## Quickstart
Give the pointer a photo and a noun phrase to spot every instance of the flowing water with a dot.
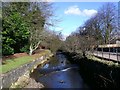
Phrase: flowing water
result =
(59, 73)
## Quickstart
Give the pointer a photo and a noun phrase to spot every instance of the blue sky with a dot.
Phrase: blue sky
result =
(74, 14)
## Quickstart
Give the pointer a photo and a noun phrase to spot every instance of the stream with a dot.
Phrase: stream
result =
(59, 73)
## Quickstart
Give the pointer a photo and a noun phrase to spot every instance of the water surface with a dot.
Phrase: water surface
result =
(59, 73)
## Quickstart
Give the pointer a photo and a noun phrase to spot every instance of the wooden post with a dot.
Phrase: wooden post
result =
(109, 53)
(97, 51)
(117, 53)
(102, 53)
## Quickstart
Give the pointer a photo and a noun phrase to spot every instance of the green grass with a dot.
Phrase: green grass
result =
(11, 64)
(14, 63)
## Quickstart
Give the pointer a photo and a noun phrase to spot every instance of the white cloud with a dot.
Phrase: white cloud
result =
(90, 12)
(75, 10)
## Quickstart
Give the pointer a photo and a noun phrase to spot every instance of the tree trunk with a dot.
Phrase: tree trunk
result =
(32, 48)
(31, 51)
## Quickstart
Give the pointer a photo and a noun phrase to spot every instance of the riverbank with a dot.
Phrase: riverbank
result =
(12, 76)
(26, 82)
(14, 61)
(96, 74)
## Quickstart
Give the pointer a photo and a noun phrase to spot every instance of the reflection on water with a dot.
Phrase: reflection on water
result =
(56, 61)
(46, 66)
(59, 73)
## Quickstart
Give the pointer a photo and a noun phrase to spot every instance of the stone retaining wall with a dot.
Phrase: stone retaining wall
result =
(12, 76)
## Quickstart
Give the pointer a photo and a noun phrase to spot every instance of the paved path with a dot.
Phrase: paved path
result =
(112, 56)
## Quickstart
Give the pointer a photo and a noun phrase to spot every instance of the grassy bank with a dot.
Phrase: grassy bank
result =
(11, 64)
(97, 73)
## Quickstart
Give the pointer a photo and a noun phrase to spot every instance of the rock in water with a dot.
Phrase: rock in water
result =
(62, 81)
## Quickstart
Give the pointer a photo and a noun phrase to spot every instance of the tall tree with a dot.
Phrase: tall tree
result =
(96, 30)
(23, 22)
(15, 30)
(108, 20)
(38, 18)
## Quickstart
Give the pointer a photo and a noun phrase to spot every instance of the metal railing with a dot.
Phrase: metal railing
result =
(115, 56)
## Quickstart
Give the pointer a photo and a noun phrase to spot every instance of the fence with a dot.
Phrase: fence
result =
(109, 52)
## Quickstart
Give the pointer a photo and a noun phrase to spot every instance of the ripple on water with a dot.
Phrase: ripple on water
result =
(59, 73)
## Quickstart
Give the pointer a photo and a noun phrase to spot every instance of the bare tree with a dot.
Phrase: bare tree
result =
(108, 20)
(95, 31)
(40, 12)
